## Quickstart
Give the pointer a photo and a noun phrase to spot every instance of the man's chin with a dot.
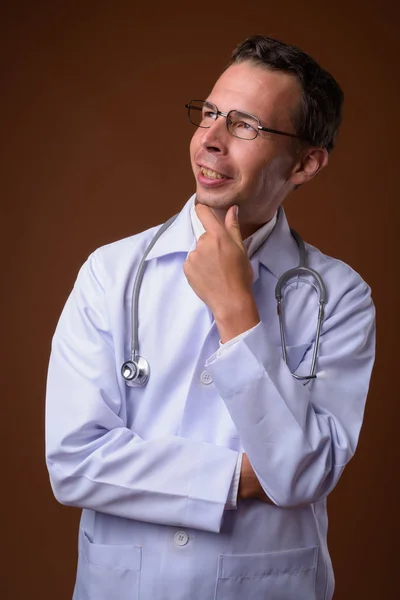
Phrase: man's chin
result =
(213, 201)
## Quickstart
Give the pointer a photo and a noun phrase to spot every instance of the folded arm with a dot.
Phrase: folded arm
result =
(299, 438)
(94, 460)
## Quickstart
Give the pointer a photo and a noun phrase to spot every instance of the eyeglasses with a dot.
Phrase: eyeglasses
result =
(240, 124)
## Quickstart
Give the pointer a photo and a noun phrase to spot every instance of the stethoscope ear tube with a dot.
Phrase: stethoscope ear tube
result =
(296, 272)
(302, 269)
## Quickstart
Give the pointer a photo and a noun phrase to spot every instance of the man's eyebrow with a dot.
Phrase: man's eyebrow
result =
(240, 111)
(245, 112)
(250, 114)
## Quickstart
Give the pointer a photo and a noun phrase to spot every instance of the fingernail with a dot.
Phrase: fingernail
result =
(236, 210)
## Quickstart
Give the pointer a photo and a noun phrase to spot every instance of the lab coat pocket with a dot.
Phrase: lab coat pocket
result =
(107, 572)
(288, 575)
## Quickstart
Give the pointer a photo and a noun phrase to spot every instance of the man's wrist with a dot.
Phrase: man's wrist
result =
(236, 318)
(249, 485)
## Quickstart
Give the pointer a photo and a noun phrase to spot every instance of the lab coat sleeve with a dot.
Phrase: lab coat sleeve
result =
(231, 503)
(94, 460)
(299, 438)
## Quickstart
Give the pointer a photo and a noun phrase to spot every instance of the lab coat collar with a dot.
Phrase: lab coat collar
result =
(179, 237)
(278, 254)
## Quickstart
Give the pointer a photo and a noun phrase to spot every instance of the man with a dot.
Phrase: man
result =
(210, 481)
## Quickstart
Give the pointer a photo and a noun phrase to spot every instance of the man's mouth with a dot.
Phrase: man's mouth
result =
(211, 174)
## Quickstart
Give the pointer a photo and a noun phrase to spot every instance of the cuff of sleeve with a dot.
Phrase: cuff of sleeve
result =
(249, 359)
(235, 340)
(231, 503)
(209, 493)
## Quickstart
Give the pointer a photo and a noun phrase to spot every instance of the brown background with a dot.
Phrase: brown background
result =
(94, 148)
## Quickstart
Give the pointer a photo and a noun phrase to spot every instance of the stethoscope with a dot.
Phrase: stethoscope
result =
(136, 371)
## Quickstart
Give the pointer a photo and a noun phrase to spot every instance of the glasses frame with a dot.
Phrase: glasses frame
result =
(220, 113)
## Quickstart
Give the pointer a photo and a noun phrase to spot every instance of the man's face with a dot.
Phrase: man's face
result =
(256, 173)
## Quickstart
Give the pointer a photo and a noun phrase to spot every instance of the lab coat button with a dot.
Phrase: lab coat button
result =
(205, 378)
(181, 538)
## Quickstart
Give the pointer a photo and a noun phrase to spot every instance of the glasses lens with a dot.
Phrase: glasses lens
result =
(242, 125)
(201, 113)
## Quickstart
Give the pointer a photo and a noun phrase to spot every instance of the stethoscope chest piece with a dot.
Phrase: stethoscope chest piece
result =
(136, 372)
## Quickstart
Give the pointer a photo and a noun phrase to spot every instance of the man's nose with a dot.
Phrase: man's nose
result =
(216, 138)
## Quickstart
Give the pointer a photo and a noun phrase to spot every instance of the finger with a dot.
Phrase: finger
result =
(208, 219)
(232, 224)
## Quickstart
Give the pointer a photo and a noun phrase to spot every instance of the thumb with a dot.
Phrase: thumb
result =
(232, 224)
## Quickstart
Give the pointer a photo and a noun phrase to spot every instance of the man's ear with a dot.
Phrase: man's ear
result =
(311, 162)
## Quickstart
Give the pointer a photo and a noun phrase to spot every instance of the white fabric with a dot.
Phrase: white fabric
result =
(147, 464)
(231, 502)
(252, 243)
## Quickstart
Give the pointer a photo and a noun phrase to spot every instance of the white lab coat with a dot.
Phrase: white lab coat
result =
(152, 466)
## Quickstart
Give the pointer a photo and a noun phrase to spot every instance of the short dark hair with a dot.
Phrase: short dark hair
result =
(320, 111)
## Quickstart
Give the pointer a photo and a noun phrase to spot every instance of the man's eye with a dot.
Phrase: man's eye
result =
(244, 125)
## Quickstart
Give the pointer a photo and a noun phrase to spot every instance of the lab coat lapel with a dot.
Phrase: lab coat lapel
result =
(178, 237)
(280, 252)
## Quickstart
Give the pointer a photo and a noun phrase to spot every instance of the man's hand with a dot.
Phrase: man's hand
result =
(220, 273)
(249, 486)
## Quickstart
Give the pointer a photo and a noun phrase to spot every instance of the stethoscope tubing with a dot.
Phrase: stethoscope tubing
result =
(136, 371)
(137, 285)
